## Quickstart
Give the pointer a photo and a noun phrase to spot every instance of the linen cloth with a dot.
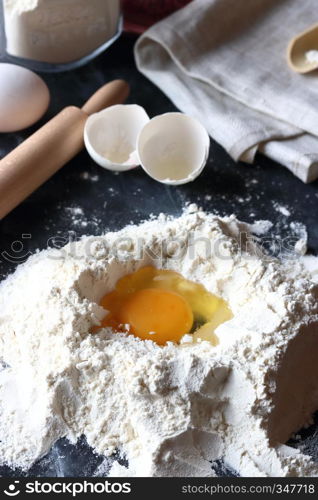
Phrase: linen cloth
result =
(224, 62)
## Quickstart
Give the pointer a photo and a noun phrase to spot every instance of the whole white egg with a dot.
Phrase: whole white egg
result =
(24, 97)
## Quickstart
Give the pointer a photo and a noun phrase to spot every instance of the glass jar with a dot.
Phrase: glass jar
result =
(58, 35)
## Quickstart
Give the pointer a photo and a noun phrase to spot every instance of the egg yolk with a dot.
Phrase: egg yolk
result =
(160, 305)
(162, 314)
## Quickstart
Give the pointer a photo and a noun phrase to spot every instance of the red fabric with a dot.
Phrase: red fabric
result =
(140, 14)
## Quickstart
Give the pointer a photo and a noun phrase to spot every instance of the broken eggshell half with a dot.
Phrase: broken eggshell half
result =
(110, 136)
(173, 148)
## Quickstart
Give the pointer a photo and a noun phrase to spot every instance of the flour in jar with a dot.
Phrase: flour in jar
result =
(59, 32)
(171, 410)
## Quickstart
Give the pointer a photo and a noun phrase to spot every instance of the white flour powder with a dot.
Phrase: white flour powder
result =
(59, 31)
(170, 410)
(312, 56)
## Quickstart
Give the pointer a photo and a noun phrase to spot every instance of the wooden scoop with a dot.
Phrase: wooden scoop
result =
(33, 162)
(299, 46)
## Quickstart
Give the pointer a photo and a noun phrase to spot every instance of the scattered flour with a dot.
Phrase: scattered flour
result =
(75, 211)
(282, 209)
(87, 176)
(300, 231)
(77, 218)
(173, 410)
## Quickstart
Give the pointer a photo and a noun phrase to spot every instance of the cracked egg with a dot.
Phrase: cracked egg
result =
(163, 306)
(171, 148)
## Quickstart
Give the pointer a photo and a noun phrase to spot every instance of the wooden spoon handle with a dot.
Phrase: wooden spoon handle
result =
(35, 160)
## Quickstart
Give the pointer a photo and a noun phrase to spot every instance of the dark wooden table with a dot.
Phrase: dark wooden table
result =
(83, 199)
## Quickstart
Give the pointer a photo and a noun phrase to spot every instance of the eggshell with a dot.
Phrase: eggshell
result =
(24, 97)
(111, 136)
(173, 148)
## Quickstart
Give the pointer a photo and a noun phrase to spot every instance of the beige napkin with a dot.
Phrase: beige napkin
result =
(224, 62)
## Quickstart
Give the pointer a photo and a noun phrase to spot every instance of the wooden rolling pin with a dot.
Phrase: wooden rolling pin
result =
(33, 162)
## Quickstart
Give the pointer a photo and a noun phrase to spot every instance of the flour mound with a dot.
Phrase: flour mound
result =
(170, 410)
